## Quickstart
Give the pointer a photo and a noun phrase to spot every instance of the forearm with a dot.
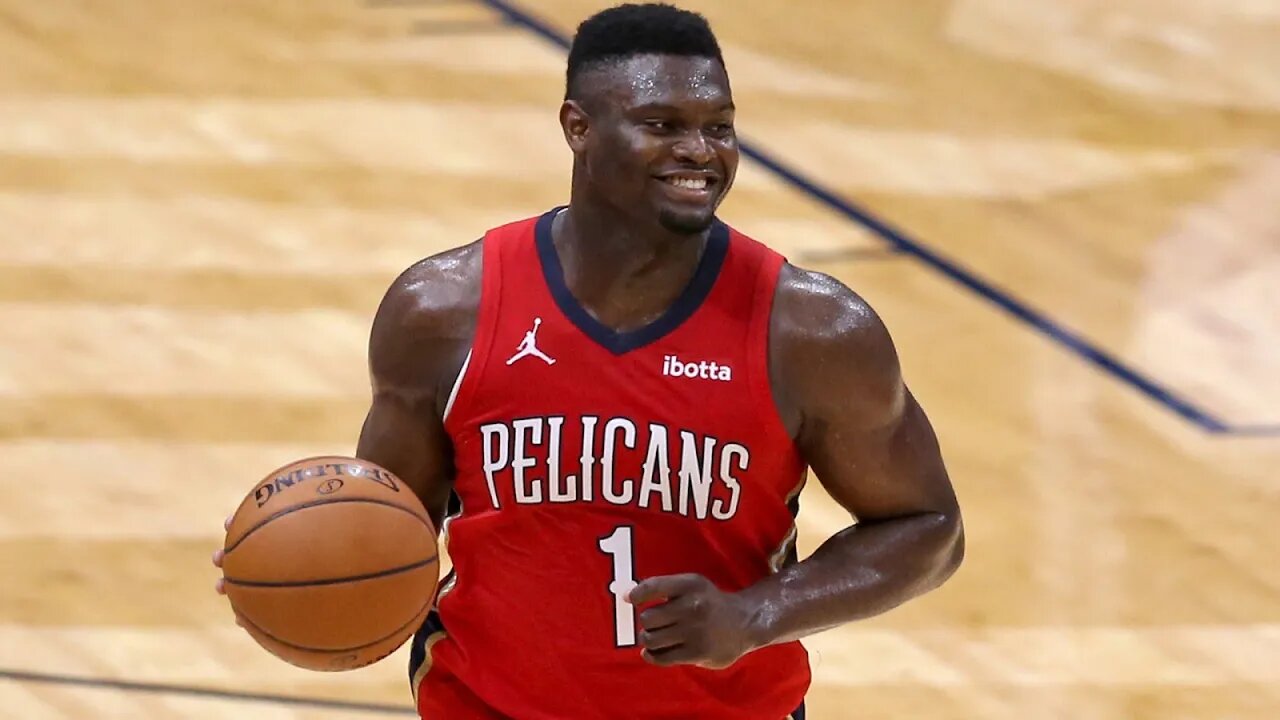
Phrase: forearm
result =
(862, 571)
(397, 438)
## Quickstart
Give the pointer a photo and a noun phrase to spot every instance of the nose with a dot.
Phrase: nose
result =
(693, 148)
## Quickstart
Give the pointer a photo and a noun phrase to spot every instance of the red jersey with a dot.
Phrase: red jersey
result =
(588, 460)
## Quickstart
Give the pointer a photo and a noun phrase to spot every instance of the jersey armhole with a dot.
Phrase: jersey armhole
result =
(457, 383)
(464, 386)
(765, 291)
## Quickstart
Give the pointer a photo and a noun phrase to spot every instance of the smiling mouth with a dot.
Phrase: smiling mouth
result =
(688, 183)
(691, 186)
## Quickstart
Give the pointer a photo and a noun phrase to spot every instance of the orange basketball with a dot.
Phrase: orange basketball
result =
(331, 563)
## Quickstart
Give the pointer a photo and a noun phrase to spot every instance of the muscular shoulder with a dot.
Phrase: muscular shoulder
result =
(426, 321)
(830, 353)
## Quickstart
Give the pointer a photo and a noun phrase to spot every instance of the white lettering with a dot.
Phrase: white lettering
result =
(657, 470)
(695, 474)
(494, 462)
(710, 472)
(611, 428)
(588, 458)
(559, 490)
(673, 366)
(532, 428)
(719, 509)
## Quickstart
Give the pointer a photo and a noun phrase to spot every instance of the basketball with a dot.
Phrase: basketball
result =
(331, 563)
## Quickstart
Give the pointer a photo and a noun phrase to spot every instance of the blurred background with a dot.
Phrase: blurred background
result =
(1067, 211)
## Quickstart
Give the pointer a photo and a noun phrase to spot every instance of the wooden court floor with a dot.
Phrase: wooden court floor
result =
(200, 205)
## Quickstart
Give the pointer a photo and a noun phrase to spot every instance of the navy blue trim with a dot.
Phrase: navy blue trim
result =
(619, 342)
(799, 713)
(518, 17)
(1069, 339)
(430, 626)
(209, 693)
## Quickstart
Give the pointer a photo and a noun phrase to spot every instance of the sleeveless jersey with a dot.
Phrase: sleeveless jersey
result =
(588, 460)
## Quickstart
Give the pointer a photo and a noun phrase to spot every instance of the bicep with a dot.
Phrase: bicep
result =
(862, 432)
(879, 470)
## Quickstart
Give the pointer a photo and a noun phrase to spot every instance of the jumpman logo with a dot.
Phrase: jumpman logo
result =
(529, 346)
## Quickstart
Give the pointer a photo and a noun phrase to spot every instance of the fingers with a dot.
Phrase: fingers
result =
(666, 628)
(663, 639)
(666, 587)
(665, 615)
(219, 585)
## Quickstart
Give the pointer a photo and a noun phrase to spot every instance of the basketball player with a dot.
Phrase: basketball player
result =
(622, 397)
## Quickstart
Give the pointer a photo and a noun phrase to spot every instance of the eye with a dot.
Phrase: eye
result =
(721, 129)
(659, 126)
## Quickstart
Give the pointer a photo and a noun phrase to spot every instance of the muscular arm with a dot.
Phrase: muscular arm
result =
(420, 338)
(839, 390)
(839, 386)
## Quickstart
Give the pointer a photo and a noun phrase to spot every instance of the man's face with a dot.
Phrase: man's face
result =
(655, 137)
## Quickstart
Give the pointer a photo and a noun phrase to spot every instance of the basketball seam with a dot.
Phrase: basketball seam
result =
(385, 638)
(331, 581)
(315, 503)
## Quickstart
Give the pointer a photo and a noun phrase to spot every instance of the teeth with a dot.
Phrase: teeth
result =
(689, 183)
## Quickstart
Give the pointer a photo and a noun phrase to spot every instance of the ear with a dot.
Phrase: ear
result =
(575, 123)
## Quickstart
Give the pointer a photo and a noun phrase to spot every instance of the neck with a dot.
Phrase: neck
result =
(623, 274)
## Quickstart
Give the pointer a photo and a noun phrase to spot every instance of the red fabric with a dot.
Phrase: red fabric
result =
(532, 621)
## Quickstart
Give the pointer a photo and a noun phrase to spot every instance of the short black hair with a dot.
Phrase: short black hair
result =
(625, 31)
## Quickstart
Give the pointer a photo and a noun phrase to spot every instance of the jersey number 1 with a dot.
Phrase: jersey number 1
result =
(618, 546)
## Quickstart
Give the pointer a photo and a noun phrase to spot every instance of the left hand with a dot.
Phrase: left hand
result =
(698, 624)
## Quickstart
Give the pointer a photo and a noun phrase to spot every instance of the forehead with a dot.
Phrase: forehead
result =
(665, 79)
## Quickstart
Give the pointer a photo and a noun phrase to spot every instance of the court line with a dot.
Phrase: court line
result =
(190, 691)
(1063, 336)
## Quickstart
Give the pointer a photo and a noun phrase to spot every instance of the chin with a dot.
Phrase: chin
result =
(687, 223)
